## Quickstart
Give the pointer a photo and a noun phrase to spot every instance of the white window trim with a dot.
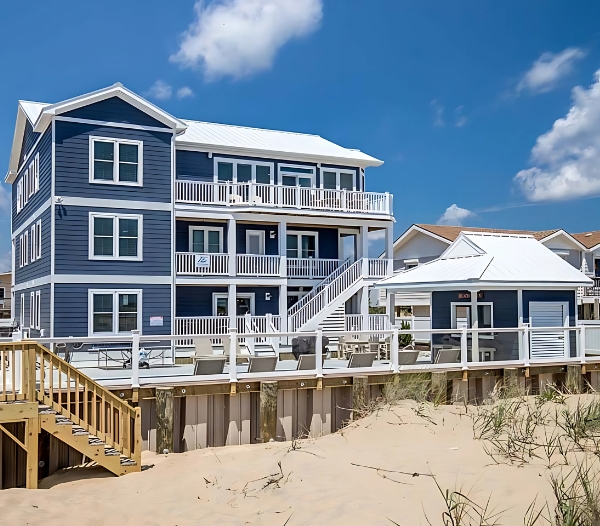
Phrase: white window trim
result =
(38, 310)
(26, 248)
(261, 235)
(34, 243)
(115, 218)
(22, 313)
(21, 254)
(39, 239)
(453, 306)
(337, 172)
(281, 172)
(235, 163)
(115, 293)
(32, 310)
(115, 179)
(299, 233)
(224, 295)
(205, 229)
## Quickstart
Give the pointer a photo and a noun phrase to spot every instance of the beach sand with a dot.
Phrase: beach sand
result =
(318, 483)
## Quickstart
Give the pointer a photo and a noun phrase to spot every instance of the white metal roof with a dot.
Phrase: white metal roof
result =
(481, 260)
(270, 142)
(32, 109)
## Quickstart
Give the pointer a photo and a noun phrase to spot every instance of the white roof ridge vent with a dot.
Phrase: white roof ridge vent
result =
(496, 234)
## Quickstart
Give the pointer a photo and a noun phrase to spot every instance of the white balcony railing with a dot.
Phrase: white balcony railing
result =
(265, 195)
(198, 325)
(379, 268)
(254, 265)
(311, 268)
(192, 264)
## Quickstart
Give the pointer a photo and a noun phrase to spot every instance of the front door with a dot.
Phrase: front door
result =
(550, 343)
(255, 242)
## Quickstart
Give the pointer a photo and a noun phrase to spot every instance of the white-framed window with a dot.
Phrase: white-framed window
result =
(302, 245)
(34, 244)
(29, 183)
(338, 179)
(19, 195)
(241, 171)
(26, 248)
(206, 239)
(34, 310)
(39, 239)
(115, 236)
(255, 242)
(291, 175)
(114, 311)
(38, 310)
(21, 253)
(116, 161)
(22, 312)
(460, 315)
(244, 304)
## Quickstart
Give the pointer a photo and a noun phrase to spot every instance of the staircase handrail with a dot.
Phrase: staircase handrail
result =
(319, 287)
(329, 293)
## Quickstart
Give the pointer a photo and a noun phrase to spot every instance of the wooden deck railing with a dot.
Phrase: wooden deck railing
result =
(29, 371)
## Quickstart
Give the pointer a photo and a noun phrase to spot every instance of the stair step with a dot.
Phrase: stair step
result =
(79, 431)
(111, 452)
(127, 462)
(45, 410)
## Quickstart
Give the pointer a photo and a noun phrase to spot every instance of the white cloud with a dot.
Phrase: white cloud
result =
(438, 113)
(459, 118)
(454, 215)
(184, 92)
(5, 200)
(160, 90)
(240, 37)
(567, 158)
(547, 70)
(376, 235)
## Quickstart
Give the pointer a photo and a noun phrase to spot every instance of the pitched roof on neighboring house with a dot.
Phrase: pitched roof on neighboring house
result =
(588, 239)
(452, 232)
(490, 260)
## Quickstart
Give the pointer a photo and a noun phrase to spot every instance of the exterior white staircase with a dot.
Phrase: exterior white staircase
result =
(333, 292)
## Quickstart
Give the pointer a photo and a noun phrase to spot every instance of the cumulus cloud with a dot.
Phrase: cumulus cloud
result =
(454, 215)
(376, 235)
(160, 90)
(548, 69)
(438, 113)
(5, 200)
(459, 117)
(184, 92)
(567, 158)
(238, 38)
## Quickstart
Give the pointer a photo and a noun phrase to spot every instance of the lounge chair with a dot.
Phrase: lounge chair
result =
(361, 359)
(203, 347)
(407, 357)
(308, 362)
(262, 364)
(209, 365)
(447, 356)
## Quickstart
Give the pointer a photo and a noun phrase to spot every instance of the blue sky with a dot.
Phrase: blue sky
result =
(453, 96)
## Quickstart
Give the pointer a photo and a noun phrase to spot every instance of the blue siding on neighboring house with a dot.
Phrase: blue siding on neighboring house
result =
(71, 302)
(327, 239)
(198, 300)
(182, 233)
(72, 165)
(42, 266)
(44, 309)
(72, 244)
(114, 109)
(271, 244)
(29, 139)
(197, 166)
(44, 148)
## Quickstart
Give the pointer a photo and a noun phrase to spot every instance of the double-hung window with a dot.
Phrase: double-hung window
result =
(35, 310)
(302, 245)
(29, 183)
(206, 240)
(238, 171)
(36, 241)
(114, 311)
(333, 179)
(115, 236)
(303, 176)
(116, 161)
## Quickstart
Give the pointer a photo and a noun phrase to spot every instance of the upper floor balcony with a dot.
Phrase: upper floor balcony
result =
(251, 194)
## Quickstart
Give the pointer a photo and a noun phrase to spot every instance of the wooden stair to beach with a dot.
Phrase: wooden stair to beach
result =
(43, 391)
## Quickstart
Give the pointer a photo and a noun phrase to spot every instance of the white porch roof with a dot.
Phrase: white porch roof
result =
(477, 260)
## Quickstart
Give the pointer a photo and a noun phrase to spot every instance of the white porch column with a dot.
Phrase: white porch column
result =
(283, 249)
(520, 321)
(363, 247)
(231, 246)
(390, 307)
(389, 249)
(232, 306)
(364, 307)
(283, 307)
(474, 325)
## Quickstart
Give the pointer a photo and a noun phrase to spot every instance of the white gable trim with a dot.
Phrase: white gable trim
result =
(472, 250)
(416, 228)
(567, 235)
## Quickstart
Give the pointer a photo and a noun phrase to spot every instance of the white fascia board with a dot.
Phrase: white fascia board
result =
(13, 164)
(274, 154)
(417, 228)
(116, 90)
(567, 235)
(480, 285)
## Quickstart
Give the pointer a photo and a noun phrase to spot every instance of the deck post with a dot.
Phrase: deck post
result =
(360, 391)
(31, 441)
(394, 350)
(582, 343)
(464, 357)
(439, 387)
(164, 420)
(268, 411)
(574, 379)
(319, 352)
(135, 359)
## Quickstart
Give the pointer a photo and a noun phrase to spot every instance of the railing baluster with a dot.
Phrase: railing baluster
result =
(14, 374)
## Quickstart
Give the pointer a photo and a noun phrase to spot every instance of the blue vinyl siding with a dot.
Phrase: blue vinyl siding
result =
(328, 240)
(44, 148)
(72, 244)
(182, 233)
(198, 300)
(42, 266)
(197, 166)
(355, 170)
(29, 139)
(71, 307)
(114, 109)
(72, 165)
(44, 309)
